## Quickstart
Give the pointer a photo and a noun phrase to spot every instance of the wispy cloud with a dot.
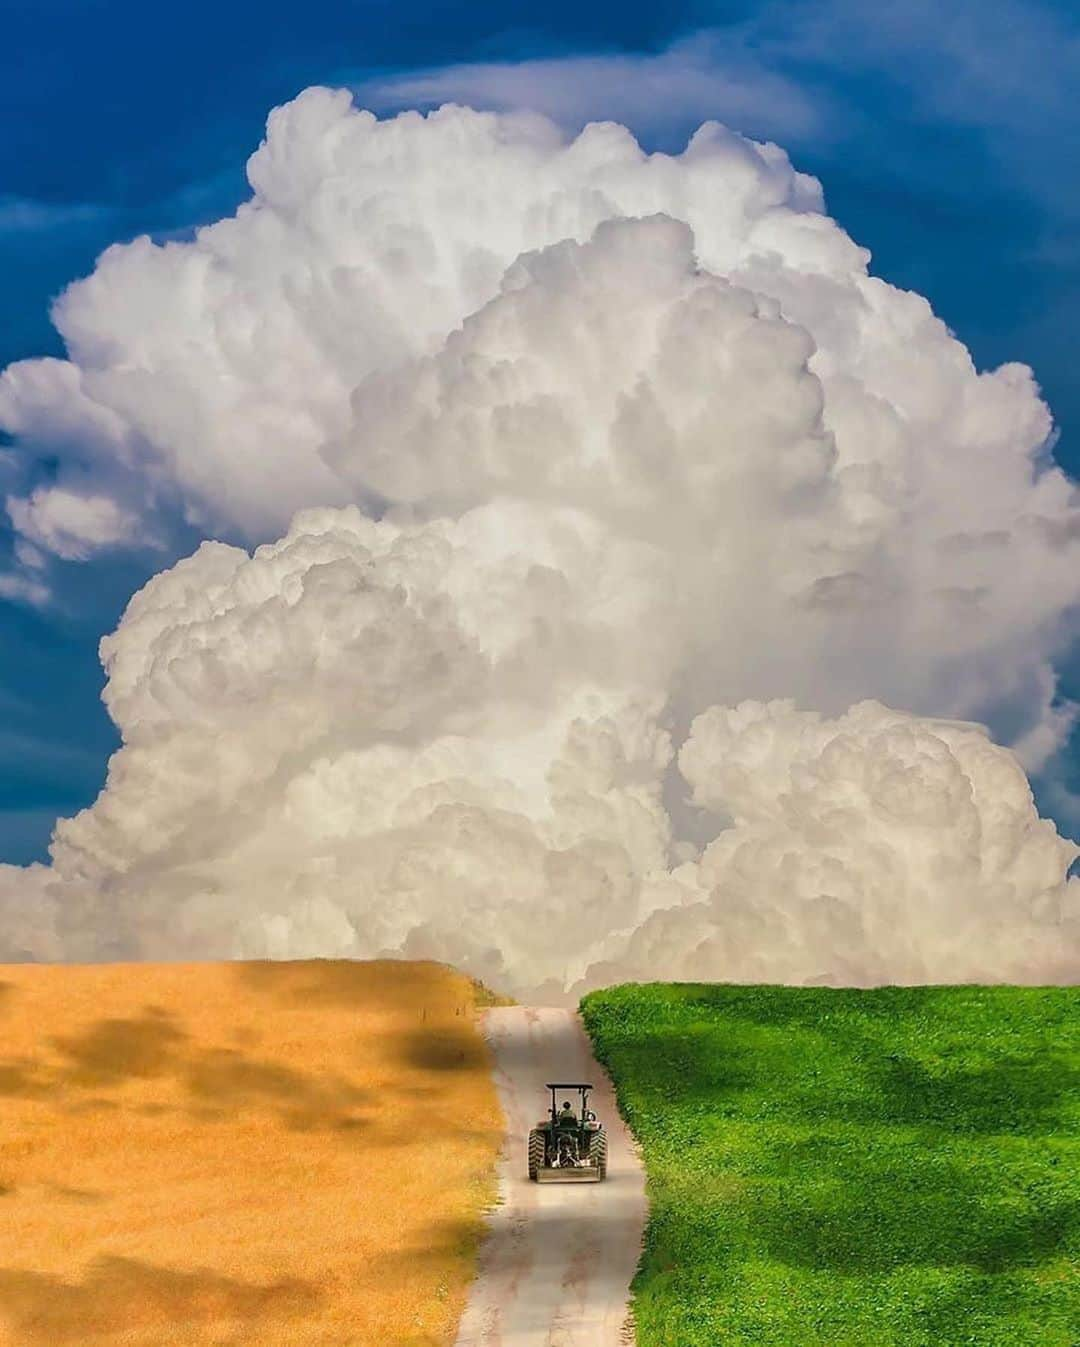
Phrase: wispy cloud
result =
(21, 215)
(21, 588)
(1009, 70)
(712, 75)
(174, 216)
(1011, 63)
(811, 75)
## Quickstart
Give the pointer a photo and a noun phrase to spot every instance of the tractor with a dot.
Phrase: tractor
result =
(568, 1146)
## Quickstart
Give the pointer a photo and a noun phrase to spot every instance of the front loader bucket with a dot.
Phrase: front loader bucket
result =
(571, 1174)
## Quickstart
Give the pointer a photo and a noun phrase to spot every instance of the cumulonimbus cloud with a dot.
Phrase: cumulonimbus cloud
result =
(629, 503)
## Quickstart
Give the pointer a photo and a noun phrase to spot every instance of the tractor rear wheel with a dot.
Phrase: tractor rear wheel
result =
(598, 1152)
(537, 1148)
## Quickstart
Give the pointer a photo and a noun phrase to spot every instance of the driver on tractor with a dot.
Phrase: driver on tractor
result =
(567, 1117)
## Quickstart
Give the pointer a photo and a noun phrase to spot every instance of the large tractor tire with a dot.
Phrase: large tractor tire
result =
(598, 1152)
(536, 1153)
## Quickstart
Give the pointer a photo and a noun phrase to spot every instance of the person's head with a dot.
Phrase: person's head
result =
(566, 1104)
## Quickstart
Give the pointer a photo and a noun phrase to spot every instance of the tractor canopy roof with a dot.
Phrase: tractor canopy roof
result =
(567, 1085)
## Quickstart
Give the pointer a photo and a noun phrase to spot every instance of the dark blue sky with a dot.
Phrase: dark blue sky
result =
(948, 143)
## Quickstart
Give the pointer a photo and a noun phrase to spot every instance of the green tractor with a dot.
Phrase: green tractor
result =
(568, 1146)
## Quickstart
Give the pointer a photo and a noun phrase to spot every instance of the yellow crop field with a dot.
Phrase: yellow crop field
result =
(253, 1153)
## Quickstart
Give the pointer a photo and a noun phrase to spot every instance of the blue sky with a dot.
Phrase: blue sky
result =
(947, 141)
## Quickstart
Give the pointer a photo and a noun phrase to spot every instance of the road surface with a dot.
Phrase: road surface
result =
(556, 1266)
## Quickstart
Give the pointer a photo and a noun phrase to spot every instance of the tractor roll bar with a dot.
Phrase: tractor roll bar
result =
(581, 1086)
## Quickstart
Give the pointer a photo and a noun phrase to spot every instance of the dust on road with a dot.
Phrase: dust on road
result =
(556, 1267)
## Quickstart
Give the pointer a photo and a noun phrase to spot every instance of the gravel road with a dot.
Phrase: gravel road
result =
(556, 1266)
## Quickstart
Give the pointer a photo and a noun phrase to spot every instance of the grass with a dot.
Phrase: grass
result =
(221, 1154)
(837, 1168)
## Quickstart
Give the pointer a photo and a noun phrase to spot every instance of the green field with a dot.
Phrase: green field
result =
(830, 1168)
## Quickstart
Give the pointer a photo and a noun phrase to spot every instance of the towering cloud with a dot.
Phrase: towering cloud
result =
(628, 499)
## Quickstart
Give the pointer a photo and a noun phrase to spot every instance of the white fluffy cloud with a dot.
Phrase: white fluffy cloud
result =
(884, 847)
(217, 370)
(605, 462)
(69, 525)
(451, 740)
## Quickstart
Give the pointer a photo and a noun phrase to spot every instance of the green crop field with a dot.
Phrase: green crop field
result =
(887, 1168)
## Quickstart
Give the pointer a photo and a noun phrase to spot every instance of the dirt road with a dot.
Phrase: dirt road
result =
(556, 1267)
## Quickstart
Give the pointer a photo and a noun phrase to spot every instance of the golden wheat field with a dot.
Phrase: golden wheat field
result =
(253, 1153)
